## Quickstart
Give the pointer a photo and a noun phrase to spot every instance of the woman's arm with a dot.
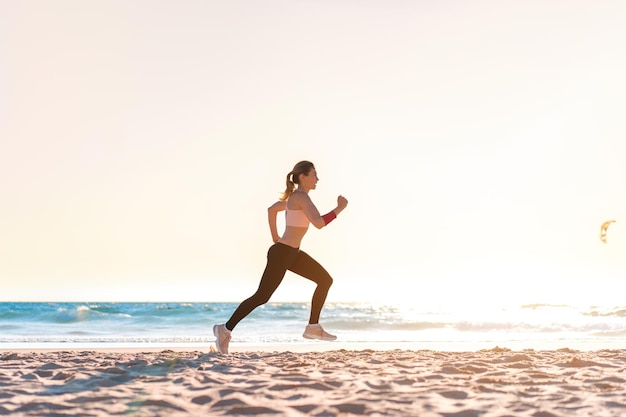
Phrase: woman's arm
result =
(272, 212)
(313, 214)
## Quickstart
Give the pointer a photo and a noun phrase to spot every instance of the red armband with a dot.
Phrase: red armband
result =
(329, 217)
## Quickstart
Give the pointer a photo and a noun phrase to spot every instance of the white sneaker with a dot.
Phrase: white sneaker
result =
(223, 337)
(315, 331)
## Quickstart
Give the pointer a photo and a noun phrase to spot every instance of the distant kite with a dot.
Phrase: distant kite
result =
(603, 230)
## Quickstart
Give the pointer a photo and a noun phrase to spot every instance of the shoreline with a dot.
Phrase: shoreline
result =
(319, 346)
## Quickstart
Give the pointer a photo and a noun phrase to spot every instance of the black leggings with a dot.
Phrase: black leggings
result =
(280, 258)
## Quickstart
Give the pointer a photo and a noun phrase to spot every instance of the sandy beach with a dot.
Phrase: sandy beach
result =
(494, 382)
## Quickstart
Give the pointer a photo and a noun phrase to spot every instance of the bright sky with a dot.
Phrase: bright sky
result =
(481, 144)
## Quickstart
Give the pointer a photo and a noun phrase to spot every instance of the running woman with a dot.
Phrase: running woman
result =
(285, 254)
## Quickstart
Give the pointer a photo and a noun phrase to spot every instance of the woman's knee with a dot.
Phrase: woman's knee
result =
(259, 299)
(327, 281)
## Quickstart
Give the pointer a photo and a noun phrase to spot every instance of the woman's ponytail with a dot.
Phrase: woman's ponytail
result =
(291, 186)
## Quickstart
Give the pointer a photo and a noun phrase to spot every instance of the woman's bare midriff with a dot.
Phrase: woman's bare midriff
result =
(293, 236)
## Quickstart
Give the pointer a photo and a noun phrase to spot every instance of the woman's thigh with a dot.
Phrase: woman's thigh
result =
(307, 267)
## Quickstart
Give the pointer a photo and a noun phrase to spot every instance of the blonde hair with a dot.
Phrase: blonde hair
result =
(302, 167)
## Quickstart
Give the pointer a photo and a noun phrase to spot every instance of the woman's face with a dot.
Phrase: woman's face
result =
(309, 181)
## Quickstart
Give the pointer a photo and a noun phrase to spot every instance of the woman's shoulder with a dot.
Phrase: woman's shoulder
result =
(298, 200)
(280, 205)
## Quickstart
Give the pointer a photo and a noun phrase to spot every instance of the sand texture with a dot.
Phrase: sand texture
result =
(495, 382)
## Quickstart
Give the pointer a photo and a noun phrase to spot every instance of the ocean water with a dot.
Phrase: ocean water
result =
(153, 324)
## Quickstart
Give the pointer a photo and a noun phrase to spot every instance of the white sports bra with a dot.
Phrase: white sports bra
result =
(296, 218)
